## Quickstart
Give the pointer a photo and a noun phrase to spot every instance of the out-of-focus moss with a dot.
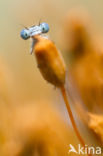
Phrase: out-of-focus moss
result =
(85, 59)
(96, 124)
(38, 130)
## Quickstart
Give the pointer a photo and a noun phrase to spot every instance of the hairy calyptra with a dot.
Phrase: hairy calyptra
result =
(50, 61)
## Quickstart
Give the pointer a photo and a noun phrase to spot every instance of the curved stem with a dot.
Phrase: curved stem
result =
(63, 91)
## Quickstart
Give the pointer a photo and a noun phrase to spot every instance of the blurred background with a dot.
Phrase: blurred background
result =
(33, 117)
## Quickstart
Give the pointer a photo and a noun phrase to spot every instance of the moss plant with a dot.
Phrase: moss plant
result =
(53, 70)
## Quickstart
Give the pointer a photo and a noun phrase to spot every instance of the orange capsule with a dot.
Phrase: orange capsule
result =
(50, 61)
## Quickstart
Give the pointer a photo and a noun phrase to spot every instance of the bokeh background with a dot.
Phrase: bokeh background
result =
(15, 51)
(25, 95)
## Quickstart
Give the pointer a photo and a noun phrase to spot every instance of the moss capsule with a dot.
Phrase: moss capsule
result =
(50, 61)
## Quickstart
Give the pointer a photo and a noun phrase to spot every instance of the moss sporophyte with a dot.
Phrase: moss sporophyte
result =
(51, 64)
